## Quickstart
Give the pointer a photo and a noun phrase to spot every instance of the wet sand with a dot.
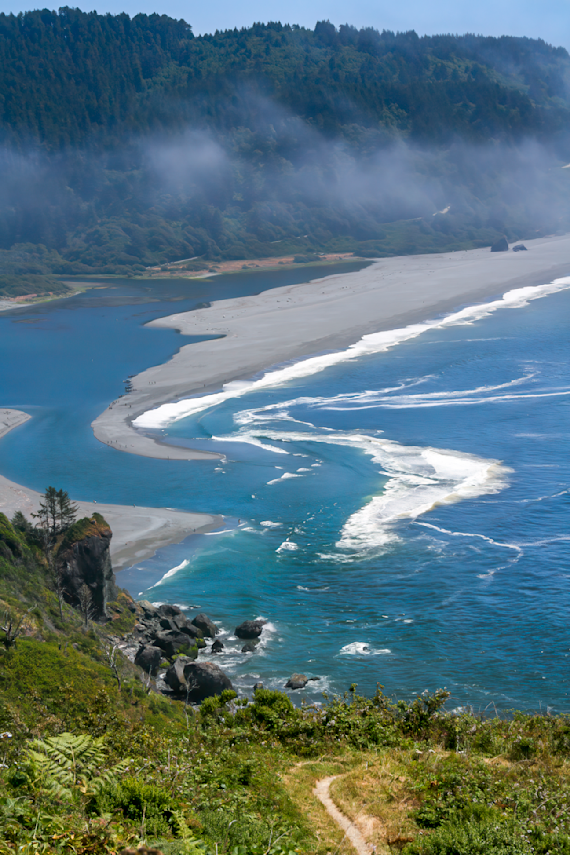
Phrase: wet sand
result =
(137, 532)
(260, 332)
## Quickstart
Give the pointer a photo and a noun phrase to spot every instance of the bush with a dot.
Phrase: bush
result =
(490, 836)
(139, 802)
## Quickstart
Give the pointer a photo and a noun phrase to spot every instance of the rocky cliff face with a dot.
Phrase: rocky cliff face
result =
(84, 559)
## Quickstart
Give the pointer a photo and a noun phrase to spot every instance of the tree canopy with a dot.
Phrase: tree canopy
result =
(128, 142)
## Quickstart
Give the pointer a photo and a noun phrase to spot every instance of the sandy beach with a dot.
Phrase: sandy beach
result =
(323, 315)
(137, 532)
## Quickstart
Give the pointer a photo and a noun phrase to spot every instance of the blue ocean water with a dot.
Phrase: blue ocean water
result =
(399, 518)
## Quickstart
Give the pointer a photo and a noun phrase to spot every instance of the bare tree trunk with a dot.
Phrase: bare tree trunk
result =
(85, 604)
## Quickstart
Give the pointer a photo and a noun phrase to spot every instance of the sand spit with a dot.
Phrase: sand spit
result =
(323, 315)
(137, 532)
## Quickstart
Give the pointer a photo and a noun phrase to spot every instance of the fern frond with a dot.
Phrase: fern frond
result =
(192, 846)
(68, 760)
(109, 777)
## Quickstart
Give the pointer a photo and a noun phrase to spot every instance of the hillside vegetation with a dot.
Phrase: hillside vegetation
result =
(128, 143)
(95, 759)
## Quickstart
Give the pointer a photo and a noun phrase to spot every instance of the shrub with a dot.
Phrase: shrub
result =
(489, 836)
(138, 802)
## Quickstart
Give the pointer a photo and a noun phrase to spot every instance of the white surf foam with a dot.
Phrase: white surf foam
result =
(285, 477)
(419, 479)
(164, 415)
(361, 648)
(172, 572)
(287, 546)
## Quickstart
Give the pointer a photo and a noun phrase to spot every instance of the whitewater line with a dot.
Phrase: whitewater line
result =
(162, 416)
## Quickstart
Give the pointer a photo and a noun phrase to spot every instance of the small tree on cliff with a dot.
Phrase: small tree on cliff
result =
(56, 515)
(57, 512)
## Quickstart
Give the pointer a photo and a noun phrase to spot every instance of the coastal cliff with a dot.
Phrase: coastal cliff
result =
(84, 559)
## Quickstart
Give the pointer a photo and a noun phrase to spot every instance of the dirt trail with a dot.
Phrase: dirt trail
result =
(350, 830)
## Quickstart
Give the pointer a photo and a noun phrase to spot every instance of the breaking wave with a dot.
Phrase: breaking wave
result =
(164, 415)
(172, 572)
(361, 648)
(418, 479)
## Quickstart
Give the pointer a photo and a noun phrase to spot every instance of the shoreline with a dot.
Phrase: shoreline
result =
(138, 532)
(218, 268)
(258, 333)
(10, 304)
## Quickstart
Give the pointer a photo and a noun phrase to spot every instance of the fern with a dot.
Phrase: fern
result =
(191, 844)
(67, 764)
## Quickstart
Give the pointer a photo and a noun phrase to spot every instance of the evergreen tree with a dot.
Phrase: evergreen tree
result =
(56, 515)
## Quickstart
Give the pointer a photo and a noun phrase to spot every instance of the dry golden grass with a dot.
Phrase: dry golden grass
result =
(300, 782)
(376, 798)
(371, 790)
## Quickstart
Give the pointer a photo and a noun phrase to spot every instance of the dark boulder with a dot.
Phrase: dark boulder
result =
(250, 629)
(296, 681)
(207, 627)
(500, 245)
(519, 248)
(172, 643)
(197, 680)
(205, 679)
(257, 686)
(250, 646)
(149, 658)
(147, 610)
(217, 646)
(174, 677)
(190, 630)
(169, 611)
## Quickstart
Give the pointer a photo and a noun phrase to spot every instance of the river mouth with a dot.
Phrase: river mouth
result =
(465, 594)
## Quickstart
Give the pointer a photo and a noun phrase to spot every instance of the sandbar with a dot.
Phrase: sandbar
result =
(326, 314)
(137, 532)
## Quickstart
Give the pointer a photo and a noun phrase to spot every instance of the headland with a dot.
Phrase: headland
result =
(137, 532)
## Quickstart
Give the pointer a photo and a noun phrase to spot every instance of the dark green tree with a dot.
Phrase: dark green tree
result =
(56, 515)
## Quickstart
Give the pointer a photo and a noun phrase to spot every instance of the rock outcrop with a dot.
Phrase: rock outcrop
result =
(500, 245)
(168, 628)
(196, 680)
(173, 643)
(299, 681)
(205, 625)
(250, 646)
(250, 629)
(83, 558)
(149, 658)
(296, 681)
(520, 247)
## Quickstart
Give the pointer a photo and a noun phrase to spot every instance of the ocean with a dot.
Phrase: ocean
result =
(398, 513)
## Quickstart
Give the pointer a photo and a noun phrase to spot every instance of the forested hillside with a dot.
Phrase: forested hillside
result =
(130, 142)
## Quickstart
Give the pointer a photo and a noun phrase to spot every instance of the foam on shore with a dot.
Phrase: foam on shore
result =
(161, 417)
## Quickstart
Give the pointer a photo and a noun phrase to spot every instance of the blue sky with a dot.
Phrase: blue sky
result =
(547, 19)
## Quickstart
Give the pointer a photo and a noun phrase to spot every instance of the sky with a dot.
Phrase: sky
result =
(547, 19)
